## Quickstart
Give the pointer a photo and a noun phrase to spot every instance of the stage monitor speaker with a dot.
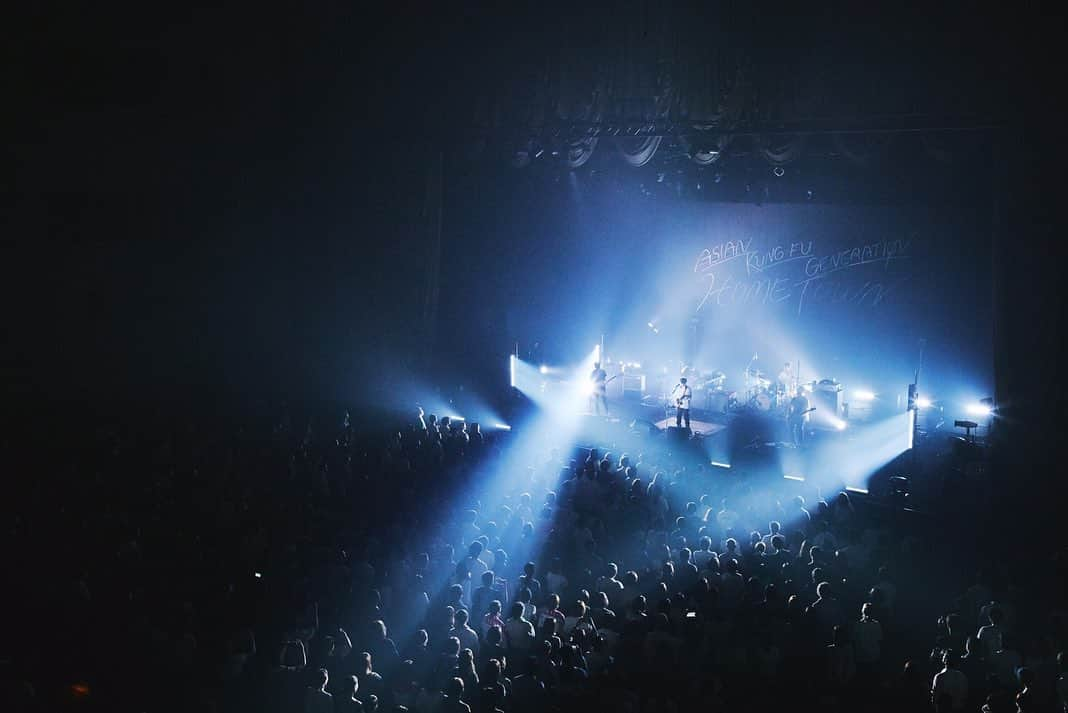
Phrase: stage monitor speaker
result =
(677, 433)
(827, 403)
(633, 387)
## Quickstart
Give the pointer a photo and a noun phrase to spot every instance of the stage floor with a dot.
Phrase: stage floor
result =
(700, 428)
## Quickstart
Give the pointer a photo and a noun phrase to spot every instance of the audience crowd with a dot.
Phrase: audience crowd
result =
(274, 568)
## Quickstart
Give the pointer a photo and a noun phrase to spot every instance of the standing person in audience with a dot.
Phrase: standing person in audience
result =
(346, 701)
(950, 682)
(867, 644)
(527, 580)
(452, 700)
(467, 636)
(370, 680)
(465, 670)
(518, 633)
(493, 647)
(990, 634)
(492, 618)
(825, 613)
(316, 699)
(486, 592)
(841, 659)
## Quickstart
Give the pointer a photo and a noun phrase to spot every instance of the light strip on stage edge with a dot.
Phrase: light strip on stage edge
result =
(798, 478)
(719, 465)
(912, 428)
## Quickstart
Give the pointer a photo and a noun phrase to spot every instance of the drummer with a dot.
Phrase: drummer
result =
(786, 379)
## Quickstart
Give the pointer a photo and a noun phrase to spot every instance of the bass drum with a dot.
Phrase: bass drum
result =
(762, 402)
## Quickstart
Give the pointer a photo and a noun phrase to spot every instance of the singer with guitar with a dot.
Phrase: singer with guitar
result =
(683, 395)
(797, 416)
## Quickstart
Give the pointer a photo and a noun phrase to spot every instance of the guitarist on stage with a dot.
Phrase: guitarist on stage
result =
(682, 394)
(798, 417)
(599, 377)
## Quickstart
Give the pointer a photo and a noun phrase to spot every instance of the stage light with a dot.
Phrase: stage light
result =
(839, 424)
(543, 369)
(924, 403)
(502, 426)
(978, 409)
(797, 478)
(863, 395)
(858, 491)
(511, 370)
(720, 465)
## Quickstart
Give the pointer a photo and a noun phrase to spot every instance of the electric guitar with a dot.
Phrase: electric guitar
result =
(601, 386)
(799, 416)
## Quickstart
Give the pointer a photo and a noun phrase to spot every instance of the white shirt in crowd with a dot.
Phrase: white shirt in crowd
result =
(953, 683)
(519, 633)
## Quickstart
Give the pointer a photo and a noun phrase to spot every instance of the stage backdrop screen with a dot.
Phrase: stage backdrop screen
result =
(865, 294)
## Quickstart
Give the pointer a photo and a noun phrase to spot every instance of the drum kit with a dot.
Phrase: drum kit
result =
(761, 393)
(710, 389)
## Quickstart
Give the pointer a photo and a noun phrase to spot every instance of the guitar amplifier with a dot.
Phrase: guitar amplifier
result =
(633, 386)
(828, 403)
